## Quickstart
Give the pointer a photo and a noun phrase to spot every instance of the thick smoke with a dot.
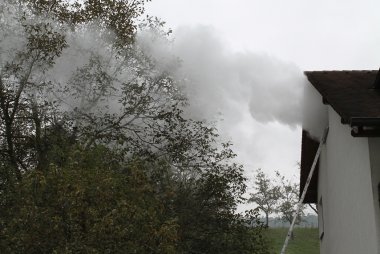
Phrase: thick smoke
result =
(86, 47)
(254, 94)
(257, 96)
(219, 80)
(236, 86)
(315, 115)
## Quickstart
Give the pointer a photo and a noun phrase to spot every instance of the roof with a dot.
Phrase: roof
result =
(352, 94)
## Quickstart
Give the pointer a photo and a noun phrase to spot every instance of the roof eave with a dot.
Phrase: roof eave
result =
(365, 126)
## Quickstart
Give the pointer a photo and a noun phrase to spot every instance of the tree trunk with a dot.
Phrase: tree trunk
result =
(10, 145)
(38, 139)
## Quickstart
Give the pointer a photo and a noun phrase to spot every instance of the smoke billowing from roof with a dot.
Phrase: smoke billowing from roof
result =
(255, 95)
(219, 80)
(315, 115)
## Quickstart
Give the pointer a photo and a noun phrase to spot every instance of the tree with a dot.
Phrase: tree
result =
(38, 39)
(93, 206)
(88, 206)
(289, 200)
(266, 195)
(80, 103)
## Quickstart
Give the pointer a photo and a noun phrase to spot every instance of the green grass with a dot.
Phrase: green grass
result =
(305, 241)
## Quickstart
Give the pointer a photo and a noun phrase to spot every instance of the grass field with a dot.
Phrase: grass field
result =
(305, 241)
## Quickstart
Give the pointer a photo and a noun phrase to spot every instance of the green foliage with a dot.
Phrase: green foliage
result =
(279, 195)
(100, 158)
(93, 206)
(117, 17)
(266, 194)
(289, 200)
(87, 207)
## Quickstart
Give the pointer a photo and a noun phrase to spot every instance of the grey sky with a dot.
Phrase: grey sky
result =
(312, 35)
(335, 34)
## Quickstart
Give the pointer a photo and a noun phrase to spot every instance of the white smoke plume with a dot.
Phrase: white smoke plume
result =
(222, 83)
(257, 96)
(315, 115)
(219, 80)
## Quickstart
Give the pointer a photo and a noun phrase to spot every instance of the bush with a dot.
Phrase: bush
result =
(87, 209)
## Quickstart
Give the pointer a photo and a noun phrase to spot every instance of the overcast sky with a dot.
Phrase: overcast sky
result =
(324, 34)
(264, 42)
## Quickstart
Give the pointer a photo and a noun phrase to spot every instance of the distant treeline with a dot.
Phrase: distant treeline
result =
(308, 221)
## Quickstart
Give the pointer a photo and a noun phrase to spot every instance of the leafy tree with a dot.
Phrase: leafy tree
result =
(266, 194)
(89, 206)
(289, 200)
(93, 206)
(96, 154)
(37, 38)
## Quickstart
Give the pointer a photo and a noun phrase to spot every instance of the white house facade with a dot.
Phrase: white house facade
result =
(346, 184)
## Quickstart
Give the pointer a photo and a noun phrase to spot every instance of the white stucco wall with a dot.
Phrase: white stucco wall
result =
(345, 186)
(374, 152)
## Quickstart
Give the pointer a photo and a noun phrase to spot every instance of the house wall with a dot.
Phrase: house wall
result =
(374, 152)
(345, 187)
